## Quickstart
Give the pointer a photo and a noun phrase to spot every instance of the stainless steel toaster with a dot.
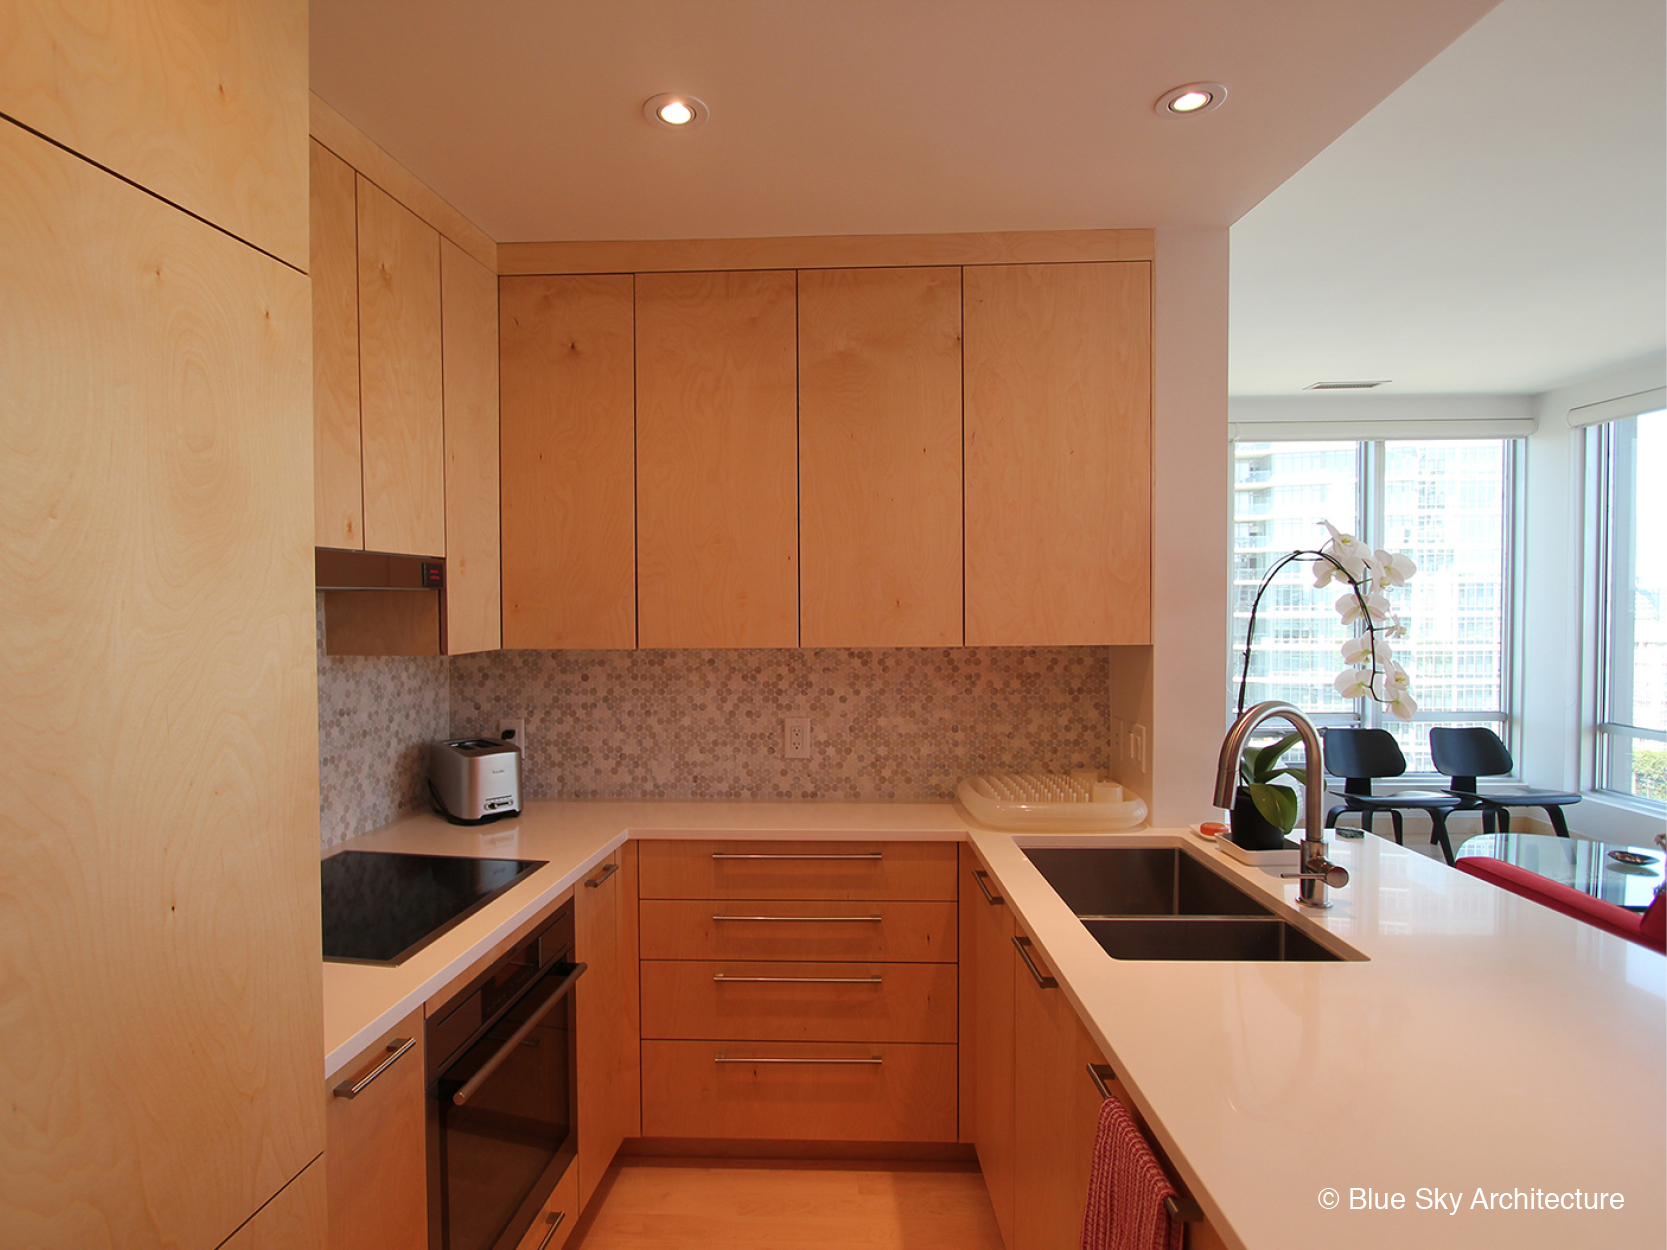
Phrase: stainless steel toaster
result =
(474, 780)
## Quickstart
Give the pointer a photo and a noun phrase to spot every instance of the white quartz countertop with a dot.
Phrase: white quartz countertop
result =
(1482, 1043)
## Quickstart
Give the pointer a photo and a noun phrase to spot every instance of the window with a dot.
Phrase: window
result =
(1630, 458)
(1447, 504)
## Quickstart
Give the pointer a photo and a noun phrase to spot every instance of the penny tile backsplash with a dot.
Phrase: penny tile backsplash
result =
(885, 724)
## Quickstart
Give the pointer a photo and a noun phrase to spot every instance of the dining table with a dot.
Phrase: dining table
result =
(1617, 873)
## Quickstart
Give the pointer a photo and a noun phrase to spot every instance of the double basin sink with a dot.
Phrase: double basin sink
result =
(1160, 903)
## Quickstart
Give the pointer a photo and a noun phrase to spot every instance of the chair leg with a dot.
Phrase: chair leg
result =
(1488, 821)
(1366, 822)
(1504, 819)
(1438, 833)
(1557, 821)
(1395, 820)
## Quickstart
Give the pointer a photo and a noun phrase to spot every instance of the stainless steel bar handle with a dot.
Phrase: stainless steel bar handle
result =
(817, 919)
(980, 876)
(729, 980)
(516, 1038)
(1022, 945)
(396, 1047)
(554, 1219)
(1101, 1074)
(607, 872)
(737, 855)
(871, 1060)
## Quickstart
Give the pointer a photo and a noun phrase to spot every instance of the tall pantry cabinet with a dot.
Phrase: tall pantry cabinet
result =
(160, 1034)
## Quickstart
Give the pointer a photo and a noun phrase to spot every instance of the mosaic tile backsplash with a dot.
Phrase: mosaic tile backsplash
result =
(375, 716)
(885, 724)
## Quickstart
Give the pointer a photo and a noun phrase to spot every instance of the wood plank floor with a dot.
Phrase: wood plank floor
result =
(657, 1204)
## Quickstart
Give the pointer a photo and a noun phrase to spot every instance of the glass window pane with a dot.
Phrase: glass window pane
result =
(1634, 680)
(1281, 493)
(1445, 505)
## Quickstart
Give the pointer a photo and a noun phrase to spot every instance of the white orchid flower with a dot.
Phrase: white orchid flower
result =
(1396, 569)
(1348, 551)
(1354, 683)
(1392, 683)
(1348, 607)
(1364, 649)
(1404, 707)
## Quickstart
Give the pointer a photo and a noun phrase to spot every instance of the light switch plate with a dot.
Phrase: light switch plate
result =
(1137, 746)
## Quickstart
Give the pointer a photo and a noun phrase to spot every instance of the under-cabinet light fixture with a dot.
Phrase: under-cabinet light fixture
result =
(1190, 100)
(1345, 386)
(675, 111)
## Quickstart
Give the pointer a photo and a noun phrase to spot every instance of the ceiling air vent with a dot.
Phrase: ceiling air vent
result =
(1345, 386)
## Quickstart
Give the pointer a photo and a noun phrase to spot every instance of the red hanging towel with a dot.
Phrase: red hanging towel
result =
(1126, 1189)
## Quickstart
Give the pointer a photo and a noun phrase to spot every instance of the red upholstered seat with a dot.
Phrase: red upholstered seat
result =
(1649, 929)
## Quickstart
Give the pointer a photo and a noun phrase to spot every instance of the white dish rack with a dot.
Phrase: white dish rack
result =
(1055, 802)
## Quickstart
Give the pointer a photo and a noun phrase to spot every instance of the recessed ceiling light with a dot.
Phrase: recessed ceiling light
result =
(1190, 100)
(675, 111)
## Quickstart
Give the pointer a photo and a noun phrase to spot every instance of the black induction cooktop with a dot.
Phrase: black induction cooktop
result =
(381, 908)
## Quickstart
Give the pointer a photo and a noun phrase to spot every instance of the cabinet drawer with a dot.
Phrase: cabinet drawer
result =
(809, 1093)
(798, 870)
(554, 1224)
(767, 929)
(794, 1002)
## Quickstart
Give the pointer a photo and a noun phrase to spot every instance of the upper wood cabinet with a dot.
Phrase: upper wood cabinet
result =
(203, 104)
(401, 423)
(717, 490)
(469, 353)
(338, 491)
(880, 457)
(569, 473)
(1058, 454)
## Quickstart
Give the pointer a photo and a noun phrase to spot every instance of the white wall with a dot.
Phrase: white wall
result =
(1188, 658)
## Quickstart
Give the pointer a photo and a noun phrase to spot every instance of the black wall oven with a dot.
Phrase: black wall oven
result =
(501, 1094)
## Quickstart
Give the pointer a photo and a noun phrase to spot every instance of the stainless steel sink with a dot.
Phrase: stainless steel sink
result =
(1160, 903)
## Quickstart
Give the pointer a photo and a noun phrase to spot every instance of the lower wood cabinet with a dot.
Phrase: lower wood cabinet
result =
(799, 1091)
(991, 977)
(293, 1219)
(554, 1224)
(606, 1014)
(375, 1146)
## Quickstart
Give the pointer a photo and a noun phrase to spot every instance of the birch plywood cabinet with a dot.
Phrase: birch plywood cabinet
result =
(569, 462)
(338, 490)
(1058, 454)
(401, 403)
(469, 354)
(880, 457)
(606, 1011)
(162, 1039)
(717, 495)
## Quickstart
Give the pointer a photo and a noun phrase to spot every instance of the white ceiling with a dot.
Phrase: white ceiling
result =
(860, 116)
(1499, 224)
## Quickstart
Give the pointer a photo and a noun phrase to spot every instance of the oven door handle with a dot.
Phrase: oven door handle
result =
(473, 1084)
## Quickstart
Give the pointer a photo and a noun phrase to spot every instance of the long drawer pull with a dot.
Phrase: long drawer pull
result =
(1102, 1076)
(607, 872)
(1022, 945)
(724, 979)
(737, 855)
(872, 1060)
(817, 919)
(396, 1047)
(1183, 1210)
(994, 900)
(554, 1219)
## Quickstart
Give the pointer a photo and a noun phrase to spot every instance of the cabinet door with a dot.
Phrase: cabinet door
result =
(1056, 1112)
(469, 340)
(157, 690)
(605, 1004)
(993, 1050)
(338, 488)
(880, 457)
(376, 1146)
(569, 462)
(203, 103)
(717, 451)
(400, 403)
(1058, 454)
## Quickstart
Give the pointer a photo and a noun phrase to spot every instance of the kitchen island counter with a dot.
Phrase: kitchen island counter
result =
(1471, 1040)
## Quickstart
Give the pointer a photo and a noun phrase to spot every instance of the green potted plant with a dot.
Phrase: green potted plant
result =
(1265, 812)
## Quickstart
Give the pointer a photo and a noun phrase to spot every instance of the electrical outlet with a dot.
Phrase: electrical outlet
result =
(795, 738)
(514, 729)
(1137, 746)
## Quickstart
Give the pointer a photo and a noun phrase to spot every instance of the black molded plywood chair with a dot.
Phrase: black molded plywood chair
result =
(1472, 752)
(1360, 756)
